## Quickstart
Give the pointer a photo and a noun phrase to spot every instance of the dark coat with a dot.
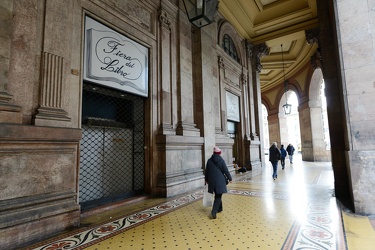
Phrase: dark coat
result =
(274, 154)
(290, 149)
(283, 153)
(214, 175)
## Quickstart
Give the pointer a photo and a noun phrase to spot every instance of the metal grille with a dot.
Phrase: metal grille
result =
(111, 158)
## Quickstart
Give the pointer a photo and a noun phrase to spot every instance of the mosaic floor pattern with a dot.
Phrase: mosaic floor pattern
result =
(297, 211)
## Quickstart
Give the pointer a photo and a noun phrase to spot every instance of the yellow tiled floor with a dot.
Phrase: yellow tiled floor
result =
(297, 211)
(360, 233)
(243, 224)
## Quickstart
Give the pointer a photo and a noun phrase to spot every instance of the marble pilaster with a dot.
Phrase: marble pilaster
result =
(9, 112)
(167, 72)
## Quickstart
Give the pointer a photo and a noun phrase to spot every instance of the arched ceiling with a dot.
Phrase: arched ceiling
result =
(276, 23)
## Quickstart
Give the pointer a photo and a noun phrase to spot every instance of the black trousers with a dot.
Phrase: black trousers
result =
(218, 205)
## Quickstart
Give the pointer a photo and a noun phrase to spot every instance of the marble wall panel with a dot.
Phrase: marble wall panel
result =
(44, 169)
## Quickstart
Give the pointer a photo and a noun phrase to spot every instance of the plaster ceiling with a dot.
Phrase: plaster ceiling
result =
(276, 23)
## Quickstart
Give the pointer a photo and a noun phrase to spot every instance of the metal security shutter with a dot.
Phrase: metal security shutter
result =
(111, 157)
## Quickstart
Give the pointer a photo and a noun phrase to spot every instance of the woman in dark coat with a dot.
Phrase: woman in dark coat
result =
(216, 176)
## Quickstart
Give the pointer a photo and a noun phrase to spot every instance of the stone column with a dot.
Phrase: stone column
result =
(9, 113)
(185, 92)
(167, 72)
(312, 133)
(179, 145)
(247, 100)
(52, 90)
(306, 132)
(352, 99)
(219, 105)
(255, 95)
(274, 128)
(336, 102)
(284, 134)
(256, 123)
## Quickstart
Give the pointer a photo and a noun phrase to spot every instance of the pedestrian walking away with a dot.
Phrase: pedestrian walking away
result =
(217, 177)
(274, 157)
(290, 149)
(283, 156)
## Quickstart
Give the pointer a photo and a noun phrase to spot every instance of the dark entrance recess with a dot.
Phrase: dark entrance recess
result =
(111, 151)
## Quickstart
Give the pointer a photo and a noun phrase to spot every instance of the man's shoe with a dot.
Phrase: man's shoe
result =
(213, 215)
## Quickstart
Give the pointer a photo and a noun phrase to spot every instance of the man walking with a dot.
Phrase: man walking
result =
(283, 156)
(290, 149)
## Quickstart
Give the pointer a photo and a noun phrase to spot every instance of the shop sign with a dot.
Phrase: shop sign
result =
(114, 60)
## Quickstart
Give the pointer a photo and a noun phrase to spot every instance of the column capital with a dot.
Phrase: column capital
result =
(249, 49)
(316, 59)
(164, 19)
(259, 51)
(312, 36)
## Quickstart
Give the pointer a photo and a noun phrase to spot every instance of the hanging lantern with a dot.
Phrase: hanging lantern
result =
(201, 12)
(287, 107)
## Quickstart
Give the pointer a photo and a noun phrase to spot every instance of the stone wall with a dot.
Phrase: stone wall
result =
(38, 182)
(356, 26)
(41, 95)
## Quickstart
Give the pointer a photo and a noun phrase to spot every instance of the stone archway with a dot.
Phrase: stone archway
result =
(318, 114)
(312, 117)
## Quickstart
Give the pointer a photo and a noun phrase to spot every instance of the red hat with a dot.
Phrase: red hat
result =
(217, 150)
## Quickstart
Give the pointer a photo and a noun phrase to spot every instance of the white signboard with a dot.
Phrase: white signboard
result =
(114, 60)
(233, 107)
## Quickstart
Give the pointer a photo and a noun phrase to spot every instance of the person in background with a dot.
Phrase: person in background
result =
(274, 157)
(290, 149)
(242, 170)
(217, 177)
(283, 156)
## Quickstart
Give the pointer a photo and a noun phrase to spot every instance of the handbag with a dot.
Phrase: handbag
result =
(208, 199)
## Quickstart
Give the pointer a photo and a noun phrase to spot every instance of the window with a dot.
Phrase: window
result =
(229, 48)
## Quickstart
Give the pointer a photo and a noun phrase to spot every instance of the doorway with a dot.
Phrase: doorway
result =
(111, 150)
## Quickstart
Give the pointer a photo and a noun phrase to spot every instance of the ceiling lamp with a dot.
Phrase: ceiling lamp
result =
(201, 12)
(287, 107)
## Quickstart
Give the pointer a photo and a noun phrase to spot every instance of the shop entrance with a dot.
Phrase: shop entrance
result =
(111, 150)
